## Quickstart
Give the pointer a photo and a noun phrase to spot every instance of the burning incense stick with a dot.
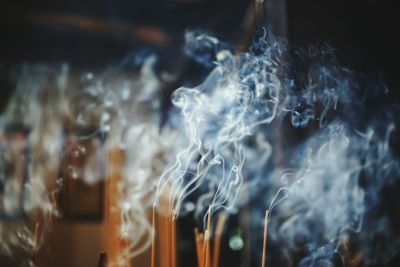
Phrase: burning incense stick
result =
(199, 246)
(217, 241)
(206, 247)
(264, 250)
(165, 246)
(169, 240)
(153, 238)
(173, 243)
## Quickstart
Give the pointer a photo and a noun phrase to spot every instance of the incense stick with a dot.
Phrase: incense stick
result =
(207, 235)
(199, 246)
(264, 250)
(217, 241)
(173, 237)
(206, 249)
(166, 244)
(153, 238)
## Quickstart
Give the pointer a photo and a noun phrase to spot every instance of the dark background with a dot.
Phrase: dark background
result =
(364, 32)
(92, 34)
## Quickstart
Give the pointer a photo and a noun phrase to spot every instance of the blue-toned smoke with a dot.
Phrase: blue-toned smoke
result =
(294, 124)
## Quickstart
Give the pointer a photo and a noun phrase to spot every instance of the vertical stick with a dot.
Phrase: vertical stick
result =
(264, 250)
(206, 246)
(169, 243)
(199, 247)
(207, 237)
(153, 238)
(166, 242)
(217, 241)
(173, 242)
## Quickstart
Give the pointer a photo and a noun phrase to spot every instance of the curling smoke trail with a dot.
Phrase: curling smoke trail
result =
(320, 200)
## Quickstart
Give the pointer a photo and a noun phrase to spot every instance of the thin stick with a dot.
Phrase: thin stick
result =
(153, 238)
(217, 241)
(209, 219)
(163, 243)
(206, 246)
(173, 237)
(207, 236)
(199, 246)
(264, 251)
(167, 244)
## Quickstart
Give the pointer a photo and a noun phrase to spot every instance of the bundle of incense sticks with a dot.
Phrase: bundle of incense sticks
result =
(165, 234)
(203, 242)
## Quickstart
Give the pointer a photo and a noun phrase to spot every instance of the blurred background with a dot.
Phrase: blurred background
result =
(90, 34)
(94, 34)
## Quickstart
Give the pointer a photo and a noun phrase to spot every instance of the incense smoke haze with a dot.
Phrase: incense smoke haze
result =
(236, 124)
(276, 128)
